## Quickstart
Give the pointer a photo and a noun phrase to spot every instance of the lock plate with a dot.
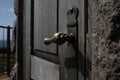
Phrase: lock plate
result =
(72, 25)
(72, 16)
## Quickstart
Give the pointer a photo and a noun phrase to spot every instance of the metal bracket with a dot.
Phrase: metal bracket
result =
(72, 16)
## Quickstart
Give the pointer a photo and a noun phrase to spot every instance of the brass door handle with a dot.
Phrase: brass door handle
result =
(59, 38)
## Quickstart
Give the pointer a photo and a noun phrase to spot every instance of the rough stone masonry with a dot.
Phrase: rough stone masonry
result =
(106, 40)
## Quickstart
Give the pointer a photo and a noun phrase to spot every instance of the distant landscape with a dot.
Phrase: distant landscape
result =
(3, 43)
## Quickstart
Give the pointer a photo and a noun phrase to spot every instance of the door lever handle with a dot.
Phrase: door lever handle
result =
(59, 38)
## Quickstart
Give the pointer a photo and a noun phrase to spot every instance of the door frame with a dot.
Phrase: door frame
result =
(25, 34)
(19, 41)
(23, 43)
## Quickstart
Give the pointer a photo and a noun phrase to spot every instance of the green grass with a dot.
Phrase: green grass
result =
(3, 62)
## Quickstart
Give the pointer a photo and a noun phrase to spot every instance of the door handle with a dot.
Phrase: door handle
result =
(59, 38)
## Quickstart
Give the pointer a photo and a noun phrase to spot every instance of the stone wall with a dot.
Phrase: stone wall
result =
(106, 40)
(16, 7)
(13, 50)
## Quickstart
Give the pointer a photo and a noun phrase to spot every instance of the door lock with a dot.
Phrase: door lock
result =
(59, 38)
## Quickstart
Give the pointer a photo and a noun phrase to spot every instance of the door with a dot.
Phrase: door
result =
(50, 59)
(54, 62)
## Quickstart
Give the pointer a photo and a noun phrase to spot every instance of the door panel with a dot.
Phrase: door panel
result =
(43, 70)
(45, 24)
(44, 61)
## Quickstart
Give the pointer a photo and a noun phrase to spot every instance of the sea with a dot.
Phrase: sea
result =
(3, 43)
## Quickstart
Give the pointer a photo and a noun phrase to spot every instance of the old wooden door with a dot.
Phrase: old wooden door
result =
(44, 18)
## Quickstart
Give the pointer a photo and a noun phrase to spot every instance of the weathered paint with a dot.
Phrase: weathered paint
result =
(43, 70)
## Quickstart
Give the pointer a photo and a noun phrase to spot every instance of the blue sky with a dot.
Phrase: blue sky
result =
(7, 16)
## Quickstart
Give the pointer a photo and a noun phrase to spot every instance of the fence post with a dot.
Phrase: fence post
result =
(8, 51)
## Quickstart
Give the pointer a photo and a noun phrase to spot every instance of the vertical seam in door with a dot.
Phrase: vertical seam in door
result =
(57, 23)
(20, 40)
(86, 30)
(31, 32)
(32, 27)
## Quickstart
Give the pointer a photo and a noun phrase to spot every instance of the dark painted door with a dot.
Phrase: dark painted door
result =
(56, 62)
